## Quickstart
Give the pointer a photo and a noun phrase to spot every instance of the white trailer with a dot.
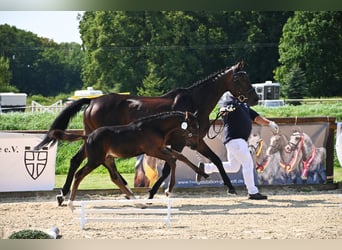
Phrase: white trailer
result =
(12, 102)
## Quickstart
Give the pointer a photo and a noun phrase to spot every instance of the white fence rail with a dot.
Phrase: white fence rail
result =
(118, 211)
(55, 107)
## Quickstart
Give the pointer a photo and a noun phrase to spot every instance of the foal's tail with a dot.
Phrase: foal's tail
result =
(63, 119)
(58, 134)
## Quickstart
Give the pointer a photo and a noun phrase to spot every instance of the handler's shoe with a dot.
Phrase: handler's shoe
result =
(198, 176)
(257, 196)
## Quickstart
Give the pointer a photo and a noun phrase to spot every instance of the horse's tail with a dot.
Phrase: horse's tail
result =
(62, 120)
(58, 134)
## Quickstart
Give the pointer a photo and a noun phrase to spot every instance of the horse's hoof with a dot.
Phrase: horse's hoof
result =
(140, 205)
(168, 193)
(60, 199)
(150, 195)
(231, 191)
(132, 197)
(71, 205)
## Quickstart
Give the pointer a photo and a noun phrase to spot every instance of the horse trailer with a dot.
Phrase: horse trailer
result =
(269, 94)
(10, 102)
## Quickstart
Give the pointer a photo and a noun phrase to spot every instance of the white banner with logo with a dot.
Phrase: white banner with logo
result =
(25, 169)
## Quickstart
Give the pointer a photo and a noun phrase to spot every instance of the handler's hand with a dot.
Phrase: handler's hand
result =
(274, 127)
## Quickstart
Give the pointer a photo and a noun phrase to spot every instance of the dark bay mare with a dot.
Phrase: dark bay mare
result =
(148, 135)
(199, 99)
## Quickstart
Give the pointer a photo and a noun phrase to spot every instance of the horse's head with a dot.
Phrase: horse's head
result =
(294, 141)
(277, 143)
(190, 127)
(242, 87)
(255, 144)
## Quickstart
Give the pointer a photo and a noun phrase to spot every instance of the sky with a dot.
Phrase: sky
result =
(60, 26)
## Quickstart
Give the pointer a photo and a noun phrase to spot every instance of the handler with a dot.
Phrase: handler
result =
(237, 119)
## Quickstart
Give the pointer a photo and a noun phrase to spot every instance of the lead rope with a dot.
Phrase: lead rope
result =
(219, 114)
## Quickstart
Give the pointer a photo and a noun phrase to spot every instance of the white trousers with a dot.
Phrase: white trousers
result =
(238, 155)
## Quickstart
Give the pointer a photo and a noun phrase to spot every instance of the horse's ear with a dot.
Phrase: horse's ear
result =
(241, 64)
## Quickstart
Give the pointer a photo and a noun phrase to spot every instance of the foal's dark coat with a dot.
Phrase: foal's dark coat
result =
(148, 135)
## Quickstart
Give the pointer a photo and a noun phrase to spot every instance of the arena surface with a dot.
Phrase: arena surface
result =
(287, 214)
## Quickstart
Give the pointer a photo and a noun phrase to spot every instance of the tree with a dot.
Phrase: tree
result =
(313, 41)
(5, 76)
(295, 85)
(185, 46)
(39, 65)
(151, 85)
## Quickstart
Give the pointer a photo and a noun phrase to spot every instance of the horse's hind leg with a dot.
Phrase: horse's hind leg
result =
(75, 162)
(79, 176)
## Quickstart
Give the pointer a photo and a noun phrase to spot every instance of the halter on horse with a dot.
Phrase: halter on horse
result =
(143, 136)
(199, 99)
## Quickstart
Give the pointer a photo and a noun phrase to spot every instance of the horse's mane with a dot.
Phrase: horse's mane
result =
(210, 78)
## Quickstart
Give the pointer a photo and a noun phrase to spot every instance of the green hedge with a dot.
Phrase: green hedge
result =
(42, 121)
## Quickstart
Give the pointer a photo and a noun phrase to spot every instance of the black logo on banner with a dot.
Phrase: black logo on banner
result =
(35, 161)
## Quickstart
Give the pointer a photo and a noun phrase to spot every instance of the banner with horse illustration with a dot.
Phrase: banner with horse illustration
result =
(297, 155)
(21, 167)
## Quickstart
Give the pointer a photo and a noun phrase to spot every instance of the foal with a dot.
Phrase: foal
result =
(147, 135)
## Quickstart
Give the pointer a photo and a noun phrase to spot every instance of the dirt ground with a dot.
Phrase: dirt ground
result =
(200, 215)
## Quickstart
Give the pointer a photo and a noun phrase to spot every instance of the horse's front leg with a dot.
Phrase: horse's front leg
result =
(172, 163)
(204, 149)
(181, 157)
(165, 173)
(117, 178)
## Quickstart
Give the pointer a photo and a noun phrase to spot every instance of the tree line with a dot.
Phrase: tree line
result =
(152, 52)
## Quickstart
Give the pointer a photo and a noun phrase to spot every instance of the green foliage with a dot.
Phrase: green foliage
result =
(33, 121)
(67, 150)
(42, 121)
(311, 41)
(5, 76)
(122, 48)
(151, 85)
(39, 65)
(294, 84)
(304, 110)
(29, 234)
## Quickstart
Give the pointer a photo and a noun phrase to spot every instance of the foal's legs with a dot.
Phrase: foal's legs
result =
(75, 162)
(170, 156)
(79, 176)
(117, 178)
(170, 161)
(181, 157)
(165, 173)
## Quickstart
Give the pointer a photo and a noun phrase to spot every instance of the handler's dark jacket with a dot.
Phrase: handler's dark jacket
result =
(238, 123)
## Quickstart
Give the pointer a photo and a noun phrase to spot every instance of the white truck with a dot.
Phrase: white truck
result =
(10, 102)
